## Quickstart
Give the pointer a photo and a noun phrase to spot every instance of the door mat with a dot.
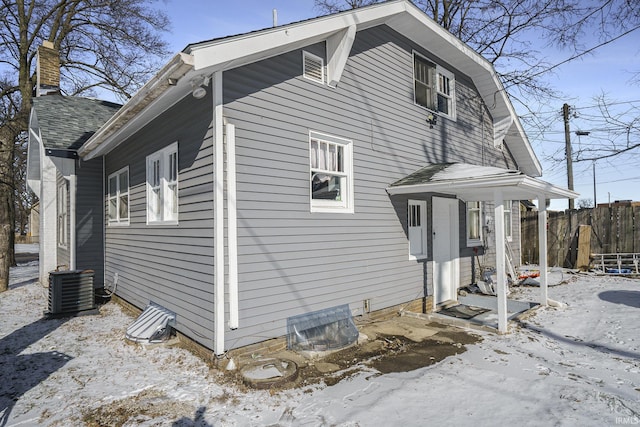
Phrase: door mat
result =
(462, 311)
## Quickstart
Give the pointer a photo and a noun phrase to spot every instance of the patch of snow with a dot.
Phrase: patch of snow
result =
(575, 366)
(466, 171)
(27, 248)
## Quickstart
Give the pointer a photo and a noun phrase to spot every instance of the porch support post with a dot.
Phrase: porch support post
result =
(500, 261)
(542, 245)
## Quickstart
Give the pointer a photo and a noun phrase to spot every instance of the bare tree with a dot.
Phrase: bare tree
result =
(503, 31)
(585, 203)
(612, 133)
(113, 45)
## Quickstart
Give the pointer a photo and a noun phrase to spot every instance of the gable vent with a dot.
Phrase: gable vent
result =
(313, 67)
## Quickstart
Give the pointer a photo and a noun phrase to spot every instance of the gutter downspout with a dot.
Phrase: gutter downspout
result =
(232, 231)
(218, 213)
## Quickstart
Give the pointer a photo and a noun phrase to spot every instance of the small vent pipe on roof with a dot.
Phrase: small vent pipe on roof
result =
(275, 18)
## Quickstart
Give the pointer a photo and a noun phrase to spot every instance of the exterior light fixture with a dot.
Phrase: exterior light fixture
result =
(199, 85)
(432, 119)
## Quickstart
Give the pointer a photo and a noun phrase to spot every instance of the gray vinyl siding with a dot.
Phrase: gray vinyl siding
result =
(89, 219)
(171, 265)
(290, 260)
(63, 258)
(293, 261)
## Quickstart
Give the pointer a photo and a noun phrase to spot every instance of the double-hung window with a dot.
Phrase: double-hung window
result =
(118, 197)
(162, 186)
(62, 203)
(331, 165)
(474, 225)
(434, 87)
(417, 228)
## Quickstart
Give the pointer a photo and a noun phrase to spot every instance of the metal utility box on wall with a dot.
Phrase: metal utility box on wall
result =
(71, 291)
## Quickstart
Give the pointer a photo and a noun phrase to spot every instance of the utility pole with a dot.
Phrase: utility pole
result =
(595, 204)
(567, 140)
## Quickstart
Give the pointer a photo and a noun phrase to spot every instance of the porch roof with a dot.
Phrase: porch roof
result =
(477, 183)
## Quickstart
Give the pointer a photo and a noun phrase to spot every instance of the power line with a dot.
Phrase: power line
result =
(633, 178)
(586, 107)
(619, 36)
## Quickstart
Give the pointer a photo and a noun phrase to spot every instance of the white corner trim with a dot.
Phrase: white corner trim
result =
(73, 183)
(338, 49)
(218, 309)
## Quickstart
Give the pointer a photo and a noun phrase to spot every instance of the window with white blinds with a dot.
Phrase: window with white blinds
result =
(331, 166)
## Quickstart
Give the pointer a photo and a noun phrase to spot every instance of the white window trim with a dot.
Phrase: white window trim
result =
(166, 217)
(330, 206)
(452, 89)
(508, 204)
(423, 225)
(478, 241)
(306, 54)
(62, 214)
(118, 221)
(452, 84)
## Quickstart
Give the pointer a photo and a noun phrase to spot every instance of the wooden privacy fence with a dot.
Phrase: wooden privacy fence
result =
(614, 229)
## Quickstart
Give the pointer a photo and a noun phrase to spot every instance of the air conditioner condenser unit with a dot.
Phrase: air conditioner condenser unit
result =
(71, 291)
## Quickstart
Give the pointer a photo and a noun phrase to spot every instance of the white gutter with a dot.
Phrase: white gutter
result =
(218, 213)
(167, 77)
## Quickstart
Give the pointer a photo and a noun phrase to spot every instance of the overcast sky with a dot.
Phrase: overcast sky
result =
(608, 70)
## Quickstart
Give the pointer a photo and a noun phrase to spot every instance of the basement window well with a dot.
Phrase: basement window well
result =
(152, 326)
(329, 329)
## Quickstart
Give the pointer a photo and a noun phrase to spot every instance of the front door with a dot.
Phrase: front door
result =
(446, 249)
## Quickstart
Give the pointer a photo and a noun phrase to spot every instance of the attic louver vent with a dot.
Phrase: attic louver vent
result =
(313, 67)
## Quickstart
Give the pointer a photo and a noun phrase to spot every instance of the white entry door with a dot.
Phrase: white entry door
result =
(446, 249)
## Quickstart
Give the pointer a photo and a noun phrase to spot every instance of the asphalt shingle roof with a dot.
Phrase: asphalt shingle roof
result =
(421, 176)
(67, 122)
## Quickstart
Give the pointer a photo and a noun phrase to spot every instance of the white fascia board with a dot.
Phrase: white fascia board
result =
(169, 77)
(239, 50)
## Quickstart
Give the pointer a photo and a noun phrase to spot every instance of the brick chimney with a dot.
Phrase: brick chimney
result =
(47, 69)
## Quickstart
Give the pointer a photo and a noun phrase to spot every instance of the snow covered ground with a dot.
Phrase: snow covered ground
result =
(566, 367)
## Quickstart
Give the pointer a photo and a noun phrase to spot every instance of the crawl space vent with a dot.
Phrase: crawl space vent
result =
(322, 330)
(152, 326)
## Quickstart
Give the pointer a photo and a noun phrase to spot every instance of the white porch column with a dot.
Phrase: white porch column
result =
(500, 262)
(542, 245)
